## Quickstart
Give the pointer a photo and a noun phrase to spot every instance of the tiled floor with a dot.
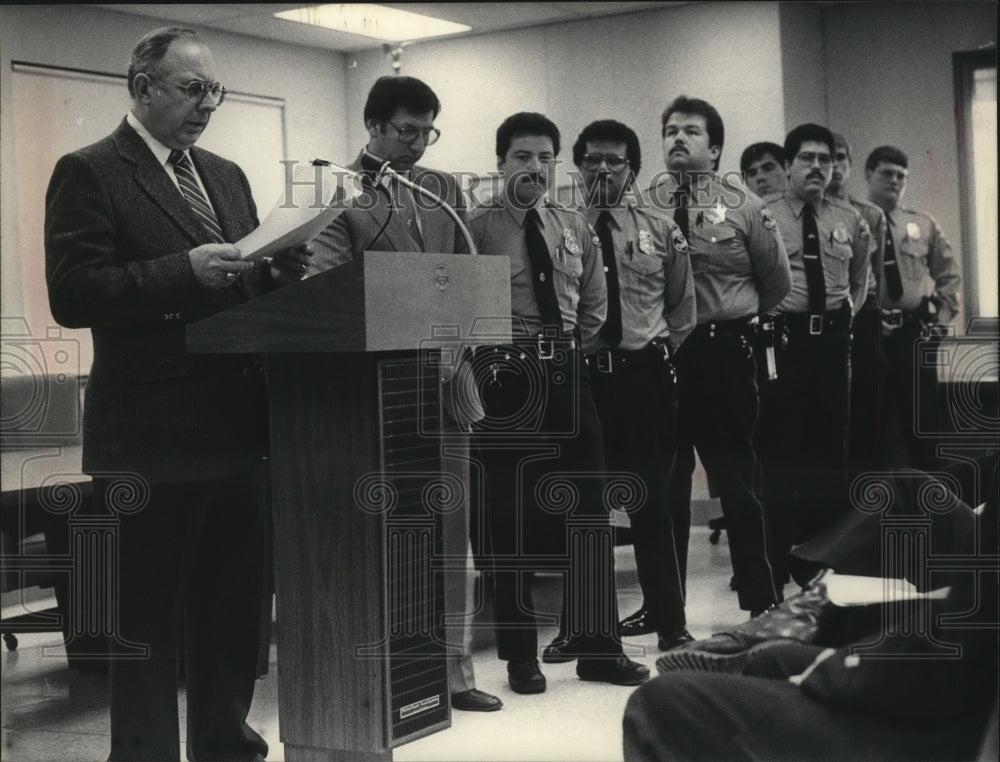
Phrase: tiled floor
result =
(53, 714)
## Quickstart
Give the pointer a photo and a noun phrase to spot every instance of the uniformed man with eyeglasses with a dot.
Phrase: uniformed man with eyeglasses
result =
(651, 310)
(804, 412)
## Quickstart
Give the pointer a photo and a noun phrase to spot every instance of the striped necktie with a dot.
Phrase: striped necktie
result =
(195, 198)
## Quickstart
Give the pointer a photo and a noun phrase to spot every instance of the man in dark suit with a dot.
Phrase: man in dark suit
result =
(387, 216)
(138, 238)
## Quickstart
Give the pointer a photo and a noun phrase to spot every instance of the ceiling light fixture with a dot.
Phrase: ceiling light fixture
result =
(375, 21)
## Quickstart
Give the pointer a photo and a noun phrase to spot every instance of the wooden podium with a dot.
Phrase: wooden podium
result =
(358, 490)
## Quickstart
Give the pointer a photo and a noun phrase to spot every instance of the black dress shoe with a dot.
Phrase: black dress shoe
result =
(475, 701)
(619, 670)
(668, 640)
(640, 623)
(560, 650)
(524, 676)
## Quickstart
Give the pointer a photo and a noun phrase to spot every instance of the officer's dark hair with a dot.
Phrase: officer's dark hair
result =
(840, 140)
(888, 154)
(806, 132)
(148, 53)
(757, 151)
(713, 122)
(525, 123)
(395, 91)
(609, 131)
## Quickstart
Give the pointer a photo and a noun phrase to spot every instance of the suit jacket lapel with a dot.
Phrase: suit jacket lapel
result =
(153, 179)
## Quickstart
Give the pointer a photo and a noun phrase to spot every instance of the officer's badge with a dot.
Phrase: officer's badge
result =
(912, 231)
(717, 214)
(569, 241)
(866, 232)
(840, 235)
(679, 242)
(645, 242)
(768, 219)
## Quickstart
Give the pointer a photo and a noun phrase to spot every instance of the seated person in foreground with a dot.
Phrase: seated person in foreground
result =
(922, 687)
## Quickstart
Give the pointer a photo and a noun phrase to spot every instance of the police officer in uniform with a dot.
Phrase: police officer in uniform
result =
(740, 269)
(540, 440)
(919, 289)
(651, 310)
(803, 437)
(867, 366)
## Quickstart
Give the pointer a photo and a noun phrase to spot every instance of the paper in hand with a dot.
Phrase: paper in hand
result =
(296, 218)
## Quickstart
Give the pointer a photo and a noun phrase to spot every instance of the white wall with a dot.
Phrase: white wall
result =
(803, 65)
(624, 67)
(890, 81)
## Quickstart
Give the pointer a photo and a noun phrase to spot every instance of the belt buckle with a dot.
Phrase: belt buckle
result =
(605, 361)
(892, 318)
(546, 348)
(815, 325)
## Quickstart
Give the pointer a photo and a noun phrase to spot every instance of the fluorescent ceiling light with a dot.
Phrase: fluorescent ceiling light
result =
(377, 21)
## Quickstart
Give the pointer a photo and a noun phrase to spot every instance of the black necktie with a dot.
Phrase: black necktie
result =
(681, 212)
(541, 270)
(611, 331)
(893, 280)
(195, 198)
(814, 265)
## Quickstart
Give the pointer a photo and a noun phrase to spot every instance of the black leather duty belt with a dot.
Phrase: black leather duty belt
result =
(620, 360)
(833, 321)
(715, 329)
(544, 347)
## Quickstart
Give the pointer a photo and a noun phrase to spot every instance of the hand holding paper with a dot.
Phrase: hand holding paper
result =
(296, 219)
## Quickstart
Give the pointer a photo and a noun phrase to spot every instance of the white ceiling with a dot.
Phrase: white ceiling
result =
(256, 20)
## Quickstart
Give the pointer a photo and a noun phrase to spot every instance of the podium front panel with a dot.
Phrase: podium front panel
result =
(355, 454)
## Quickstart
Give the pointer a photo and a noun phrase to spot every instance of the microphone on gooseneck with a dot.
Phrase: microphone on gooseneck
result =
(376, 166)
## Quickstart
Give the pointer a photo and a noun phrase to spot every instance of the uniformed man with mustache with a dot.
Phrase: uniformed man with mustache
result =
(740, 270)
(804, 412)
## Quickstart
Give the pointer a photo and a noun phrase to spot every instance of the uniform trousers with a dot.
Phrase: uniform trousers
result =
(195, 553)
(717, 413)
(637, 404)
(803, 439)
(539, 504)
(868, 393)
(912, 385)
